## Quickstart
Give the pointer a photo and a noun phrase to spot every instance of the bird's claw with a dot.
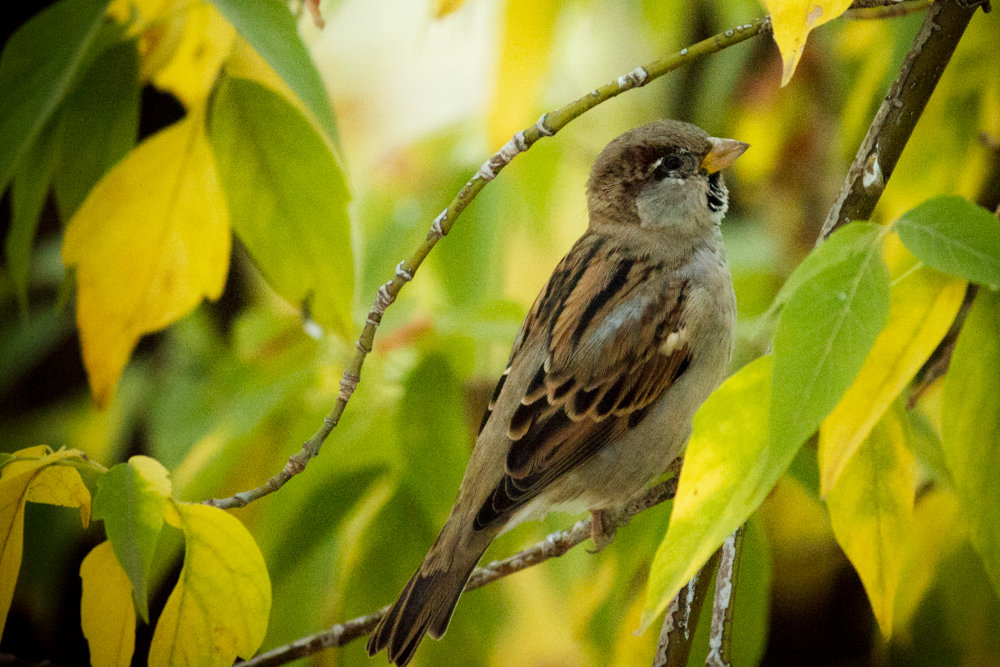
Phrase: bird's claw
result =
(603, 525)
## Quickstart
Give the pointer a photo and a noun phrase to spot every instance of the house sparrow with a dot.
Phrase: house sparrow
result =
(629, 336)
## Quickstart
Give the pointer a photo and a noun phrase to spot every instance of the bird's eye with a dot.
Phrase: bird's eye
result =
(668, 166)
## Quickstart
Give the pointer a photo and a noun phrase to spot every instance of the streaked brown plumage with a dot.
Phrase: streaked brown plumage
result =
(632, 332)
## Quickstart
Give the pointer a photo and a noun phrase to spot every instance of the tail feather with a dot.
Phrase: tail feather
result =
(424, 607)
(426, 604)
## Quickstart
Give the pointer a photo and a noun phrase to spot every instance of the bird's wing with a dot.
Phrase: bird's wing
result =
(614, 326)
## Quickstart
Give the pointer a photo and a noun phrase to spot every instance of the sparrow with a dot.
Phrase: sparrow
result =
(629, 336)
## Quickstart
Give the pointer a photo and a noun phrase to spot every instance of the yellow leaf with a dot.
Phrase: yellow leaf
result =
(219, 608)
(526, 36)
(23, 459)
(63, 486)
(204, 44)
(106, 611)
(13, 489)
(17, 478)
(245, 63)
(142, 12)
(730, 466)
(871, 511)
(922, 307)
(792, 20)
(444, 7)
(149, 242)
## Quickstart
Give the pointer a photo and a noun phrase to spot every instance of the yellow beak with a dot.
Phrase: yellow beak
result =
(723, 153)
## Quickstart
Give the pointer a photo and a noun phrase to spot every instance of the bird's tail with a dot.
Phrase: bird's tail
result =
(429, 598)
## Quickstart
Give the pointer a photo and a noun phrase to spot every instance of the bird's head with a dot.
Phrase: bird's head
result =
(666, 174)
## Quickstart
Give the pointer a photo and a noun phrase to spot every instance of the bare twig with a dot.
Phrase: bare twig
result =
(885, 10)
(547, 125)
(681, 619)
(553, 546)
(943, 26)
(874, 4)
(721, 638)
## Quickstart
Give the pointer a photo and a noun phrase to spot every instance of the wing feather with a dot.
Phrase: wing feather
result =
(616, 341)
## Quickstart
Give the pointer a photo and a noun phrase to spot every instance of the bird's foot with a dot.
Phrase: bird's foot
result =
(603, 525)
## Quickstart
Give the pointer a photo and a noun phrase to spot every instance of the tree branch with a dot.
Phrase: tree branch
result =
(553, 546)
(681, 618)
(547, 125)
(881, 9)
(876, 159)
(721, 637)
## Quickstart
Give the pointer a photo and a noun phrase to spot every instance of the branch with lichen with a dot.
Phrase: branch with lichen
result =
(893, 124)
(681, 618)
(720, 637)
(680, 622)
(547, 125)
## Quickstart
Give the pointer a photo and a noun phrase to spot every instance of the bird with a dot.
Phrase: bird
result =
(632, 332)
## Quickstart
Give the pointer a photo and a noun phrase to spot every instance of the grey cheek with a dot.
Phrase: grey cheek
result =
(660, 202)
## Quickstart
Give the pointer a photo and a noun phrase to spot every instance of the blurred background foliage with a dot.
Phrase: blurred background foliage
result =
(423, 93)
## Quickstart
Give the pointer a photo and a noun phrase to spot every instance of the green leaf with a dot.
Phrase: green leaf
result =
(729, 468)
(955, 236)
(871, 511)
(432, 432)
(101, 121)
(131, 499)
(970, 427)
(270, 28)
(826, 330)
(29, 191)
(843, 245)
(36, 68)
(287, 198)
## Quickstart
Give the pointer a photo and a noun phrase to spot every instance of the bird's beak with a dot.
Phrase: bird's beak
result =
(724, 152)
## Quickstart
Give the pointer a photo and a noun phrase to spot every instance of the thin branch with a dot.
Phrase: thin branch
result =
(547, 125)
(885, 10)
(876, 159)
(874, 4)
(721, 637)
(681, 619)
(553, 546)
